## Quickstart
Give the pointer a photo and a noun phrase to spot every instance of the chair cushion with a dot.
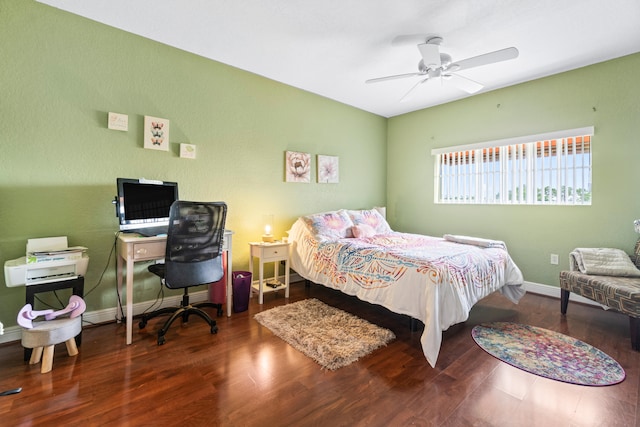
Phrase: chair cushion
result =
(157, 269)
(619, 293)
(185, 274)
(51, 332)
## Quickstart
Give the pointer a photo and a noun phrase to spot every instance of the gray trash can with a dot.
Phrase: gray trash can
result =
(241, 290)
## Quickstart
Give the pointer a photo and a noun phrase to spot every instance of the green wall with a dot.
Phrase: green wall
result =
(60, 76)
(605, 95)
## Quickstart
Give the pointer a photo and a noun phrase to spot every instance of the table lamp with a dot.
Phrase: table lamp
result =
(268, 222)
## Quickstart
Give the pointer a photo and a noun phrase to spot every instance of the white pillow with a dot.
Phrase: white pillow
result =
(329, 225)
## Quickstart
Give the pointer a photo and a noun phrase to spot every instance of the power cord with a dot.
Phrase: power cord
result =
(122, 317)
(159, 299)
(104, 270)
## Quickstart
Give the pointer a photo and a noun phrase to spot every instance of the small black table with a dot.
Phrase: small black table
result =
(77, 286)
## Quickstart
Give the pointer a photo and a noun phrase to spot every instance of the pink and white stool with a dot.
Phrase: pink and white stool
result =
(43, 336)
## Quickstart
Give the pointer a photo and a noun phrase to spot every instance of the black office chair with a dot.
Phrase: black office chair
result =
(193, 257)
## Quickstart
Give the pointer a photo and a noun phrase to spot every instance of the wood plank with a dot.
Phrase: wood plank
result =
(245, 376)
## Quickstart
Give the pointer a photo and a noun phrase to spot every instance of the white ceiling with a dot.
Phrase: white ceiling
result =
(330, 47)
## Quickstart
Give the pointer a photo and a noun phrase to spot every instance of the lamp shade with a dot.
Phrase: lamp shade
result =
(268, 228)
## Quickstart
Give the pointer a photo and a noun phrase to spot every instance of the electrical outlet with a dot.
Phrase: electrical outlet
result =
(554, 259)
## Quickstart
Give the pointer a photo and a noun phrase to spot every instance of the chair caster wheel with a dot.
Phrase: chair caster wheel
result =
(142, 324)
(161, 340)
(214, 329)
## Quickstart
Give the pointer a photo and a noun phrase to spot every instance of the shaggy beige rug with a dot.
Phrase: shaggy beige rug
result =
(330, 336)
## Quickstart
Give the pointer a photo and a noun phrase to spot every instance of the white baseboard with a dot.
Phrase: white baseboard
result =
(554, 292)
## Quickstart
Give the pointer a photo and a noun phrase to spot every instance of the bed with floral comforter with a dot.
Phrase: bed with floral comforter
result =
(435, 280)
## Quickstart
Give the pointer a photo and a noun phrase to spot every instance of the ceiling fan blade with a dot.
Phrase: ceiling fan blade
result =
(464, 83)
(412, 91)
(397, 76)
(430, 55)
(485, 59)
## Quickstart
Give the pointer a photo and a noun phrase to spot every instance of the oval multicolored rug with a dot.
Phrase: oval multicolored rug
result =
(548, 354)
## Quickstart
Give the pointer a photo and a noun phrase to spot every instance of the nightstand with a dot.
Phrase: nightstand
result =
(270, 252)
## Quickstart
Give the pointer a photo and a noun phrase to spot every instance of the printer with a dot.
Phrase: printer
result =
(47, 260)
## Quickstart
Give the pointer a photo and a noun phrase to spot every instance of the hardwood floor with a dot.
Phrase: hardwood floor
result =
(245, 376)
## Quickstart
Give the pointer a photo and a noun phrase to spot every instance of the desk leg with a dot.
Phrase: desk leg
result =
(119, 267)
(129, 292)
(129, 319)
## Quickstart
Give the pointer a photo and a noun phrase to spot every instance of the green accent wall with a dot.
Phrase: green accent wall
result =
(605, 95)
(62, 74)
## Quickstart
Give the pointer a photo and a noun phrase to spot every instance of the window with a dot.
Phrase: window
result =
(546, 169)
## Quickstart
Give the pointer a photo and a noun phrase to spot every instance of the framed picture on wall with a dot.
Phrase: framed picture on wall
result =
(187, 151)
(156, 133)
(328, 170)
(297, 166)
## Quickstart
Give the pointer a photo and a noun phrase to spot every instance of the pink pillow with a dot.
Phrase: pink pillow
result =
(371, 218)
(363, 230)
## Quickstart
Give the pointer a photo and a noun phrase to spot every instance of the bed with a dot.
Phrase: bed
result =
(436, 280)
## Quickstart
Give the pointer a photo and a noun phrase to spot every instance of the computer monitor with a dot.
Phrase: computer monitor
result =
(142, 205)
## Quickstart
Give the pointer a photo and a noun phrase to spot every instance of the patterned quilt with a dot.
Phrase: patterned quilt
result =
(428, 278)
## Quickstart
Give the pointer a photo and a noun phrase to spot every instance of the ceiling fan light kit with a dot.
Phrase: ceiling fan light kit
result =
(436, 64)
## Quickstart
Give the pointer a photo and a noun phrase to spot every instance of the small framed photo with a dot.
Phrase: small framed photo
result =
(156, 133)
(187, 151)
(118, 121)
(328, 169)
(297, 166)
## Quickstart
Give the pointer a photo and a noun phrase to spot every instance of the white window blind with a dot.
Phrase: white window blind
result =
(546, 169)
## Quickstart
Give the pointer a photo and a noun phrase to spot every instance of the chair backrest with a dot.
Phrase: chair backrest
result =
(194, 243)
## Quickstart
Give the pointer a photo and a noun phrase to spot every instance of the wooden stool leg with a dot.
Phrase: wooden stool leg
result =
(72, 349)
(36, 355)
(47, 360)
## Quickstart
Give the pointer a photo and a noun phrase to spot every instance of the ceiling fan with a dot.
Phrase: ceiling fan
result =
(435, 64)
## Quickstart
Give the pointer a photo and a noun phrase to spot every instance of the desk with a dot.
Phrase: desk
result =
(134, 248)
